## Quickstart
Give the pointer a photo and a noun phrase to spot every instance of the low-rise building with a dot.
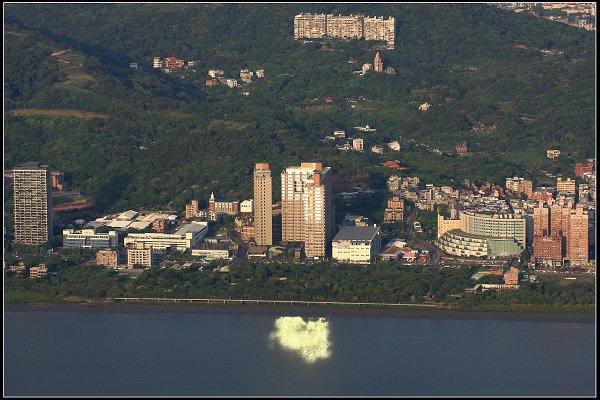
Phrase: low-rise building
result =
(38, 272)
(138, 254)
(88, 238)
(511, 277)
(18, 269)
(395, 145)
(230, 207)
(186, 237)
(565, 185)
(424, 106)
(212, 250)
(358, 144)
(462, 149)
(552, 154)
(445, 225)
(582, 168)
(107, 258)
(356, 244)
(247, 206)
(191, 210)
(215, 73)
(377, 149)
(394, 211)
(246, 76)
(229, 82)
(158, 225)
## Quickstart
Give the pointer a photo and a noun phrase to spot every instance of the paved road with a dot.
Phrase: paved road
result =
(434, 258)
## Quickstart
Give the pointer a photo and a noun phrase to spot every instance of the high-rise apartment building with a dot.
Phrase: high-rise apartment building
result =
(344, 26)
(560, 232)
(378, 28)
(306, 205)
(32, 203)
(377, 63)
(316, 26)
(310, 26)
(263, 205)
(578, 240)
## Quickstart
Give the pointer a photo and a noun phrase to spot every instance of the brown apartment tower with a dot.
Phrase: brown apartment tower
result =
(33, 203)
(263, 205)
(306, 207)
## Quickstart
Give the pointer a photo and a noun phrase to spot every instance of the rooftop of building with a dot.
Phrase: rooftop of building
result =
(32, 165)
(211, 246)
(464, 234)
(361, 233)
(193, 227)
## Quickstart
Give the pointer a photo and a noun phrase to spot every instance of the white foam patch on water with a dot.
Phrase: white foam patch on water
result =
(309, 339)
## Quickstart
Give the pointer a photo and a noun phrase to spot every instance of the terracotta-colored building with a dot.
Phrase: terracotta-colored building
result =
(511, 277)
(231, 207)
(583, 168)
(57, 180)
(158, 225)
(548, 249)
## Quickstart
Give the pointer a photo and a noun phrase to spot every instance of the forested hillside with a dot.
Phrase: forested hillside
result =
(163, 139)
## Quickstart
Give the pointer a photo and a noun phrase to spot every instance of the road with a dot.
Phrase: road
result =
(434, 257)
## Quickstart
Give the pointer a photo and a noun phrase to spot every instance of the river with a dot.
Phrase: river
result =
(81, 353)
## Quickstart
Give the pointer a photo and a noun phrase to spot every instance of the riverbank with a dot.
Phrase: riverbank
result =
(303, 311)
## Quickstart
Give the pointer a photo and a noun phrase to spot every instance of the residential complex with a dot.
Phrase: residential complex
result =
(32, 203)
(307, 209)
(263, 204)
(317, 26)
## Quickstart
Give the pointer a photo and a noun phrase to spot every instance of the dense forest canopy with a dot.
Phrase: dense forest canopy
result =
(167, 138)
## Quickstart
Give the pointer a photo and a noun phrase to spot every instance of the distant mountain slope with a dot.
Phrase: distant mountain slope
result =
(161, 144)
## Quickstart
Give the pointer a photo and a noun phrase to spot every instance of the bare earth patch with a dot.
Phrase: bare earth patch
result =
(81, 77)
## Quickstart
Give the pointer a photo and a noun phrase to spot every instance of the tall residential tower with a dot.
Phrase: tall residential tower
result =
(33, 204)
(263, 205)
(307, 210)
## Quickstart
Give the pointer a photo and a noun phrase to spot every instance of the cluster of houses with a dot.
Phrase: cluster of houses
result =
(38, 271)
(217, 77)
(169, 64)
